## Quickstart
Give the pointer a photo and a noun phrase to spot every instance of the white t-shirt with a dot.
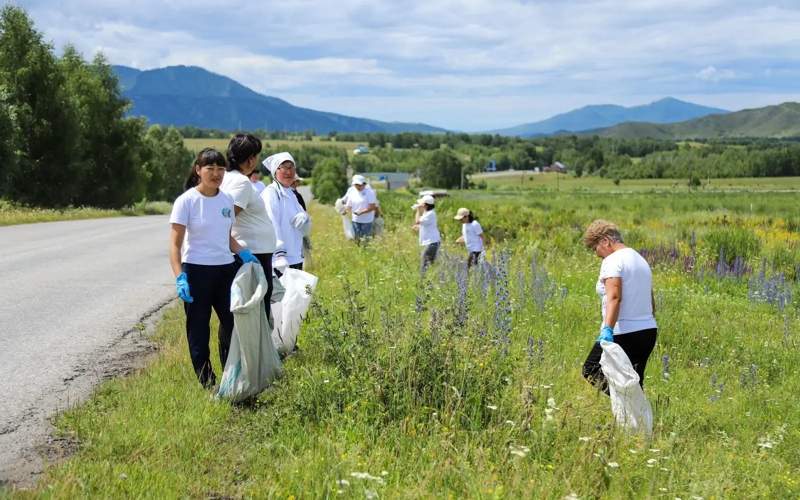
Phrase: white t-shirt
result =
(361, 200)
(472, 231)
(428, 230)
(636, 308)
(252, 228)
(208, 221)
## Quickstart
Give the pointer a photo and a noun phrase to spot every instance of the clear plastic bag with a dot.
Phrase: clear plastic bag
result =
(290, 311)
(629, 405)
(253, 362)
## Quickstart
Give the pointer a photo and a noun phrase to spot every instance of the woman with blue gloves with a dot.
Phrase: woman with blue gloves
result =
(252, 227)
(201, 255)
(625, 287)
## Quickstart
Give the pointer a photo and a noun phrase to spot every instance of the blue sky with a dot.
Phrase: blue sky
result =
(467, 65)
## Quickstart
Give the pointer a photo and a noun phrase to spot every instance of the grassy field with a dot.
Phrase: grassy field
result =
(469, 386)
(196, 145)
(11, 213)
(525, 181)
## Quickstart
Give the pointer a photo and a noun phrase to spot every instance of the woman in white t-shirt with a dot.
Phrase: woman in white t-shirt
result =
(471, 235)
(625, 286)
(290, 220)
(201, 256)
(425, 224)
(363, 205)
(252, 227)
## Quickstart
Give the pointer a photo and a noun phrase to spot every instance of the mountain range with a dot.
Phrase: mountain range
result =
(189, 95)
(667, 110)
(779, 121)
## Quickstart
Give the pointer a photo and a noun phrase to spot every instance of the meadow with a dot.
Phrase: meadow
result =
(15, 213)
(196, 144)
(461, 384)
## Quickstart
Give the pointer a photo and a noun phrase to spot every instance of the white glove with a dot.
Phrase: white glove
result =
(299, 220)
(280, 263)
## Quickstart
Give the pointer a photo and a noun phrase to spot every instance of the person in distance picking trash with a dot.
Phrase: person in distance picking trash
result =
(625, 286)
(290, 220)
(425, 224)
(200, 254)
(471, 235)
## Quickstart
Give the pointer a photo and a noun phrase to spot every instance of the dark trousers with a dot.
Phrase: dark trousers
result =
(637, 345)
(473, 258)
(266, 263)
(298, 266)
(429, 255)
(210, 287)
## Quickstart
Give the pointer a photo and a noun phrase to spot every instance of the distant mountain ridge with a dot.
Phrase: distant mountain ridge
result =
(778, 121)
(190, 95)
(667, 110)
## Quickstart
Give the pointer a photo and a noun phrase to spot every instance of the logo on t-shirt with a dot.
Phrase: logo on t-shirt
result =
(226, 212)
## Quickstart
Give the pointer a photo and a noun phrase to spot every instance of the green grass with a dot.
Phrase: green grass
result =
(428, 406)
(195, 145)
(565, 182)
(12, 213)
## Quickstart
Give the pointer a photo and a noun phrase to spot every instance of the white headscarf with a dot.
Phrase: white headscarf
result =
(273, 162)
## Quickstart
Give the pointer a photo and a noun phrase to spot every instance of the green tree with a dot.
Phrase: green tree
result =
(329, 180)
(47, 129)
(109, 145)
(166, 163)
(443, 170)
(8, 136)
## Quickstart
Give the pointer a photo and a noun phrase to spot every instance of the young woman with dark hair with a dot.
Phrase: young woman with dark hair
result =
(201, 256)
(252, 227)
(471, 235)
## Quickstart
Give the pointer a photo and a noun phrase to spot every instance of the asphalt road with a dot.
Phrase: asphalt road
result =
(71, 296)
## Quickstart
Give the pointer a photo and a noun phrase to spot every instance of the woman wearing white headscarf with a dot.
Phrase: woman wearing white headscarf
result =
(290, 220)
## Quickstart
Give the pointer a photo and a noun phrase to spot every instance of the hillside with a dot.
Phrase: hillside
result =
(667, 110)
(777, 121)
(189, 95)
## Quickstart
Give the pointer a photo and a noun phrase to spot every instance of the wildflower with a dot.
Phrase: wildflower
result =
(491, 407)
(371, 494)
(613, 465)
(655, 450)
(367, 476)
(651, 462)
(342, 483)
(585, 439)
(572, 496)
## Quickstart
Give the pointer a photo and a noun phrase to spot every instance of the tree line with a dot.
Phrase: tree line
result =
(64, 136)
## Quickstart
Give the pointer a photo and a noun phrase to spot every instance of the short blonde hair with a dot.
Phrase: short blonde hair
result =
(599, 230)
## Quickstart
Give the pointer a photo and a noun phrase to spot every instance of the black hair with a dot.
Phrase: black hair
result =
(472, 217)
(240, 148)
(207, 156)
(429, 206)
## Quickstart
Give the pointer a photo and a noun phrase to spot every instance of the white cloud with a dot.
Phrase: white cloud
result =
(712, 74)
(470, 56)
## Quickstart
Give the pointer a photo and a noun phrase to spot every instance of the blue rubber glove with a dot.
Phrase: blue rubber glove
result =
(606, 333)
(182, 286)
(247, 256)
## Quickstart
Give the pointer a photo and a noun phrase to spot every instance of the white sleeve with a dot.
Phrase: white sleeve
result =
(426, 219)
(241, 190)
(371, 198)
(273, 206)
(180, 212)
(611, 267)
(478, 229)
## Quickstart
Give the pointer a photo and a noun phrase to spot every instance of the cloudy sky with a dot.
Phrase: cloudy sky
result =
(468, 65)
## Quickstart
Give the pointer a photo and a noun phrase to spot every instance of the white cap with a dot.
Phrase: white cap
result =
(273, 162)
(428, 200)
(359, 180)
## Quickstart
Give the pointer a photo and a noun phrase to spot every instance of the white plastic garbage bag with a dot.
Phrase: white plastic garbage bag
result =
(629, 405)
(347, 224)
(377, 226)
(289, 313)
(253, 363)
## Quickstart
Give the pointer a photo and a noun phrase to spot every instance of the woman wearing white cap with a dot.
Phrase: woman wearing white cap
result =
(362, 203)
(471, 235)
(425, 223)
(291, 222)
